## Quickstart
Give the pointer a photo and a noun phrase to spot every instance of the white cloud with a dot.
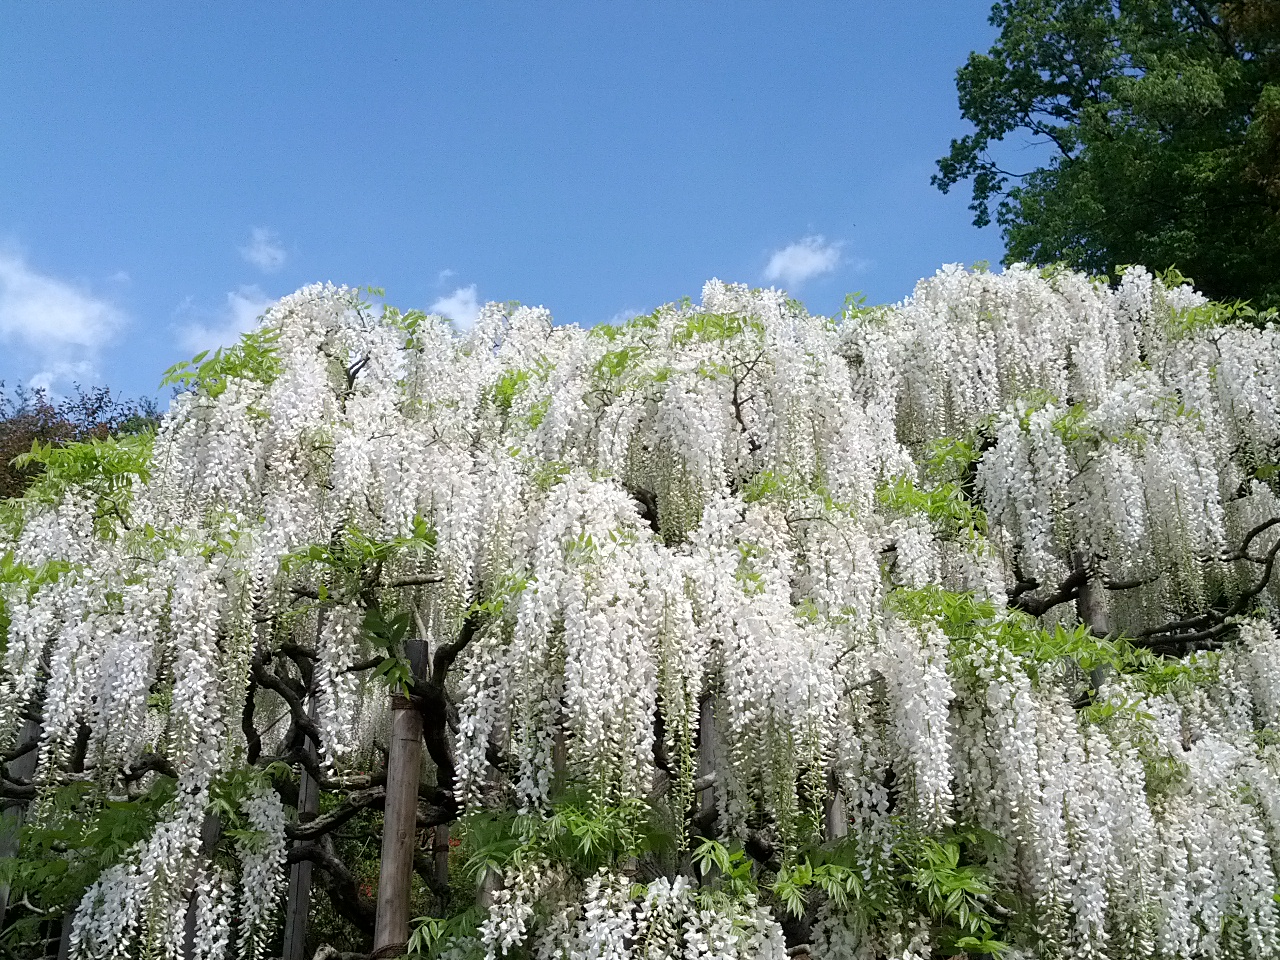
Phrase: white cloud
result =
(622, 316)
(48, 314)
(62, 372)
(460, 306)
(50, 325)
(239, 315)
(801, 261)
(264, 250)
(444, 275)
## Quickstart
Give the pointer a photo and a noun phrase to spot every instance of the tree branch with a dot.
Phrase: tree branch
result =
(1212, 625)
(268, 680)
(1069, 589)
(419, 581)
(447, 653)
(432, 699)
(150, 763)
(370, 799)
(16, 752)
(340, 884)
(1243, 552)
(12, 790)
(252, 738)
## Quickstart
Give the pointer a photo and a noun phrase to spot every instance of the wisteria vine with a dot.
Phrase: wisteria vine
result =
(936, 628)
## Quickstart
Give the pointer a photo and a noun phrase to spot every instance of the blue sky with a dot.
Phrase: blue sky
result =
(168, 169)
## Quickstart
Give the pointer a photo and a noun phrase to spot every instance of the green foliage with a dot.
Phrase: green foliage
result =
(966, 618)
(952, 459)
(788, 488)
(77, 836)
(955, 895)
(715, 328)
(431, 935)
(106, 468)
(616, 363)
(731, 870)
(943, 877)
(772, 485)
(616, 331)
(1188, 322)
(388, 635)
(503, 393)
(857, 309)
(352, 563)
(947, 505)
(511, 385)
(410, 321)
(1162, 123)
(500, 597)
(255, 357)
(945, 493)
(28, 417)
(748, 577)
(31, 578)
(581, 832)
(228, 792)
(354, 552)
(548, 473)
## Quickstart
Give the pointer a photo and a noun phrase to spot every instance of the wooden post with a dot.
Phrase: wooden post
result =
(1092, 609)
(835, 817)
(1091, 602)
(707, 758)
(440, 856)
(298, 906)
(399, 828)
(64, 935)
(707, 813)
(210, 830)
(11, 817)
(400, 815)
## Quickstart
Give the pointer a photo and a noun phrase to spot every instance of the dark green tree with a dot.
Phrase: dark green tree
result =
(33, 416)
(1163, 120)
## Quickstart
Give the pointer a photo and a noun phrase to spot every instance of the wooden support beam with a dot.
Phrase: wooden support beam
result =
(298, 905)
(400, 817)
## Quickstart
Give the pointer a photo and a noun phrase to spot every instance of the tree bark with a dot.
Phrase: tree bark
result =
(1091, 603)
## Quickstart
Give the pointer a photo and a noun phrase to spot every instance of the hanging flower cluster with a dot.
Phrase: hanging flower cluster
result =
(975, 590)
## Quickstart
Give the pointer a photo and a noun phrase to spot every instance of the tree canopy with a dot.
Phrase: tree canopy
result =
(729, 631)
(1163, 122)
